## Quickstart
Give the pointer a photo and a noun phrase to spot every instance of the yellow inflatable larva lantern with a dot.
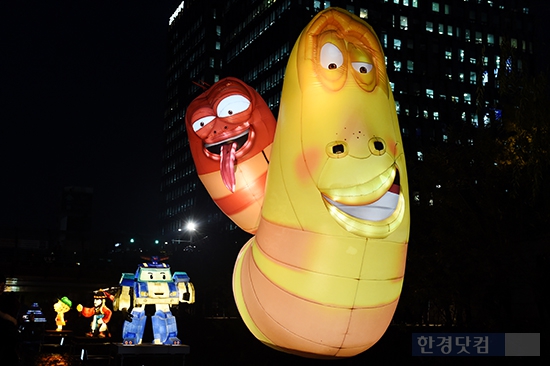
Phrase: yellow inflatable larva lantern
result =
(323, 275)
(230, 130)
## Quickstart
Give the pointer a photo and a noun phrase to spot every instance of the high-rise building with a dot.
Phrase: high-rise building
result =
(440, 55)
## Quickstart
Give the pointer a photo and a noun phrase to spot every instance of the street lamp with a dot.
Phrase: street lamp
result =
(190, 227)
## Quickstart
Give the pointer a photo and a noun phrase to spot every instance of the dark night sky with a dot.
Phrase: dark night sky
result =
(81, 104)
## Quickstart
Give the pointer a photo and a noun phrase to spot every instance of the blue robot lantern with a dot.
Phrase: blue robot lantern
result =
(153, 284)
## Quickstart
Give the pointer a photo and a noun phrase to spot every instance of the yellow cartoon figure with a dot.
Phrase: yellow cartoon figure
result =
(61, 307)
(323, 275)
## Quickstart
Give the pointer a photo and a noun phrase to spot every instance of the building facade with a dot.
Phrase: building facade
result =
(442, 58)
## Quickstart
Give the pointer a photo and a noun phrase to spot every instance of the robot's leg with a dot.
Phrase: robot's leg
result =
(165, 329)
(132, 332)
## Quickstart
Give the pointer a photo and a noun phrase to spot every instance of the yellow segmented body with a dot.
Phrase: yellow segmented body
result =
(324, 272)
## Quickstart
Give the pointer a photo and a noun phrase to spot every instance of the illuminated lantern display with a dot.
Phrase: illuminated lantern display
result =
(100, 314)
(153, 284)
(61, 307)
(230, 130)
(323, 275)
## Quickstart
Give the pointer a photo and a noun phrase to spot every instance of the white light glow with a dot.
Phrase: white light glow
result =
(175, 15)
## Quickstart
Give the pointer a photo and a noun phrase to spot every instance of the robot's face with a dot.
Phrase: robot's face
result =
(155, 275)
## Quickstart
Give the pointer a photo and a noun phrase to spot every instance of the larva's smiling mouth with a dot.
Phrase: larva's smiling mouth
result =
(371, 209)
(227, 151)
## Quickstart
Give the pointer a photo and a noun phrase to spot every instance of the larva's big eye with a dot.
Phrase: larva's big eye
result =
(331, 57)
(202, 122)
(362, 67)
(232, 105)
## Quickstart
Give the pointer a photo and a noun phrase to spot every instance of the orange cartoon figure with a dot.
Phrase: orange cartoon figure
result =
(61, 307)
(230, 130)
(100, 314)
(323, 275)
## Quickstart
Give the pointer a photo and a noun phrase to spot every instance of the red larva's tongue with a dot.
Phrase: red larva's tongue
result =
(227, 164)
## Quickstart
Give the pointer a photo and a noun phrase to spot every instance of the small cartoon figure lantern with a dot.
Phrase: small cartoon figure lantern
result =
(61, 307)
(99, 313)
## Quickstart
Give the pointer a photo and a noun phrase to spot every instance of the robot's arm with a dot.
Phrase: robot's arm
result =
(122, 299)
(186, 292)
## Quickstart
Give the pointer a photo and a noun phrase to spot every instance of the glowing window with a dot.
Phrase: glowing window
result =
(363, 13)
(396, 44)
(429, 26)
(403, 23)
(397, 65)
(435, 7)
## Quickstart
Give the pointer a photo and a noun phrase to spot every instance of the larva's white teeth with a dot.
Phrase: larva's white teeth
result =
(376, 211)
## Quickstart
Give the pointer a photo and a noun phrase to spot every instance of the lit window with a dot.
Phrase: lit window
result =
(461, 54)
(316, 5)
(403, 22)
(363, 13)
(415, 3)
(218, 30)
(467, 35)
(444, 137)
(435, 7)
(441, 28)
(479, 38)
(350, 8)
(429, 26)
(385, 40)
(406, 2)
(485, 61)
(327, 4)
(514, 43)
(430, 93)
(464, 116)
(420, 156)
(436, 116)
(473, 60)
(449, 30)
(216, 78)
(397, 107)
(525, 10)
(218, 46)
(486, 119)
(447, 9)
(397, 65)
(396, 44)
(467, 98)
(455, 99)
(448, 55)
(485, 77)
(461, 77)
(425, 114)
(474, 120)
(472, 77)
(410, 66)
